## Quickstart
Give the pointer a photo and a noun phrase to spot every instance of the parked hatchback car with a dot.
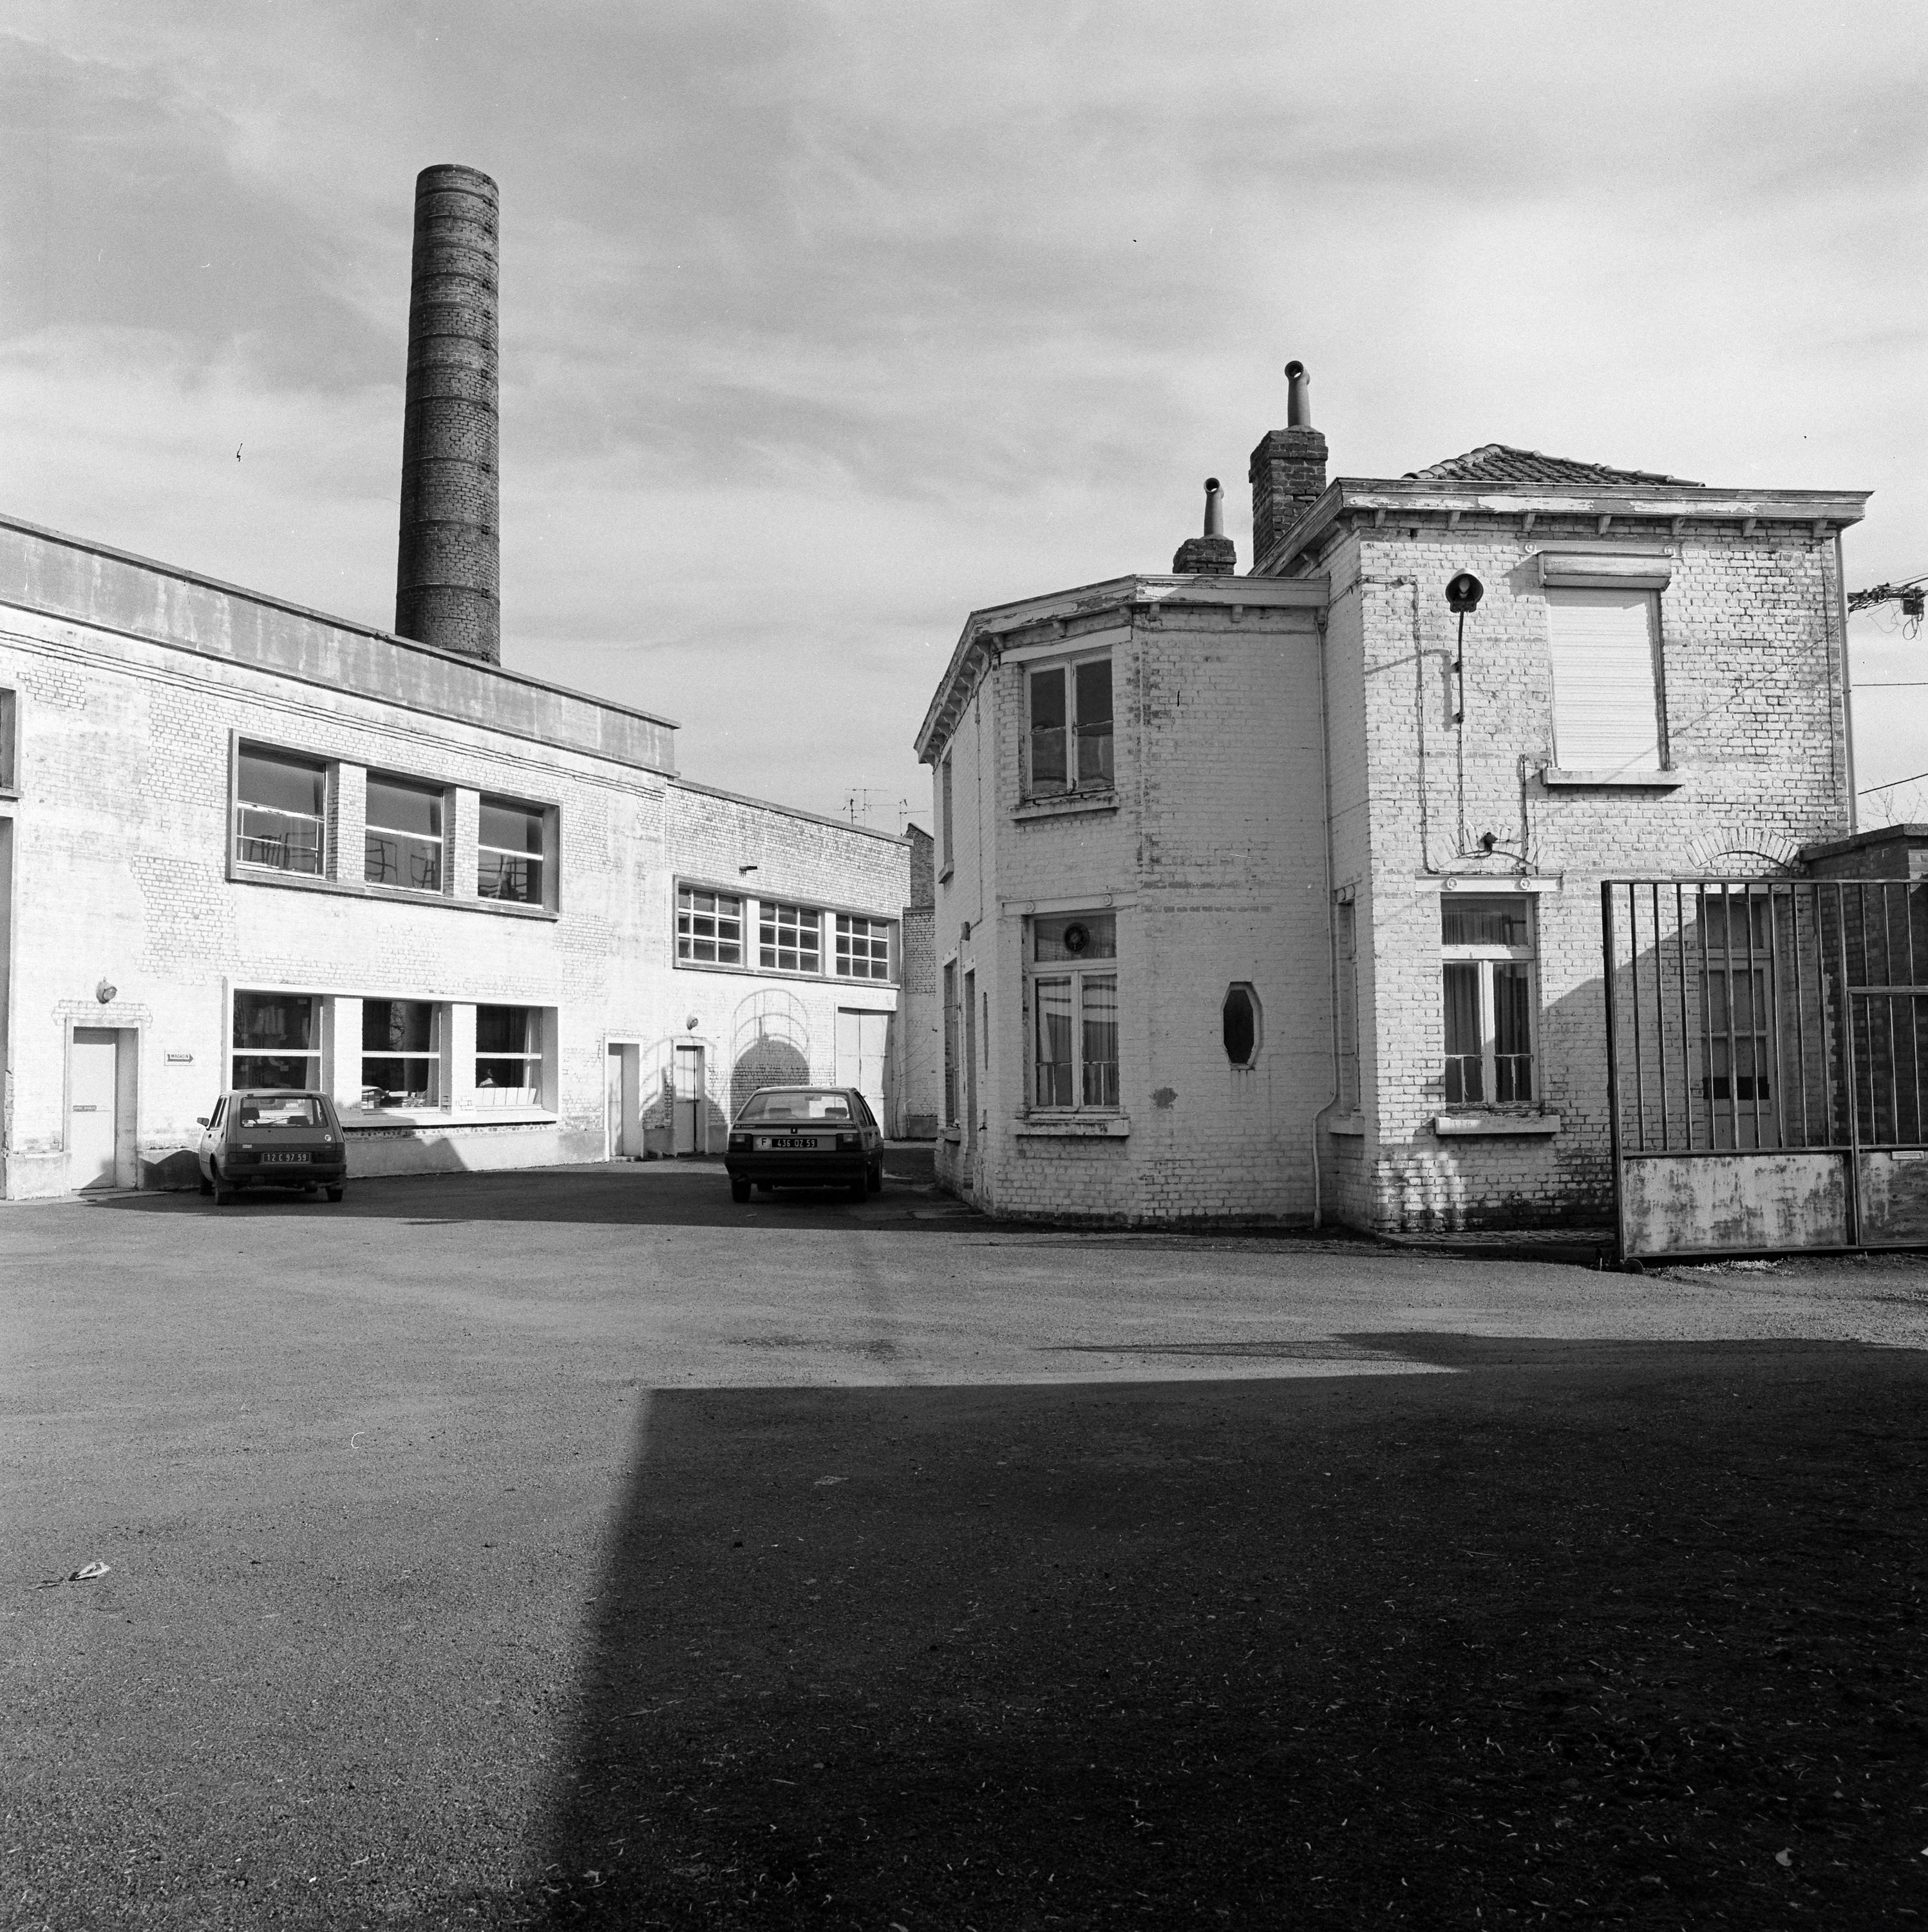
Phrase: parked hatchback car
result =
(805, 1137)
(259, 1137)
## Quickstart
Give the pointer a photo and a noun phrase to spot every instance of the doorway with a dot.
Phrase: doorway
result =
(94, 1108)
(686, 1098)
(622, 1111)
(863, 1053)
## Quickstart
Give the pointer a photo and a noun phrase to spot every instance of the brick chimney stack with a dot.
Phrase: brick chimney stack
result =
(1288, 469)
(1213, 554)
(447, 566)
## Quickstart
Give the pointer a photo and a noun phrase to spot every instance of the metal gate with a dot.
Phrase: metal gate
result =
(1767, 1063)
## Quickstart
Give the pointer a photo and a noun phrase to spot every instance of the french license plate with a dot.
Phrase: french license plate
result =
(779, 1141)
(277, 1159)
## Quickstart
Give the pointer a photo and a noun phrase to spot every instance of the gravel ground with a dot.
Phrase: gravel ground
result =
(579, 1548)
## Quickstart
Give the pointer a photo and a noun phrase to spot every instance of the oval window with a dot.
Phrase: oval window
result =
(1240, 1019)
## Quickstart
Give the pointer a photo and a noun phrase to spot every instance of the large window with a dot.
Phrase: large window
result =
(863, 947)
(404, 836)
(281, 807)
(944, 835)
(508, 851)
(399, 1053)
(1737, 1043)
(709, 927)
(1487, 947)
(1606, 695)
(508, 1056)
(1073, 977)
(1070, 735)
(277, 1040)
(789, 939)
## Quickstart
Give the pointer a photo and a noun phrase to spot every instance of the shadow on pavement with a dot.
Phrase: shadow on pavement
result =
(1586, 1634)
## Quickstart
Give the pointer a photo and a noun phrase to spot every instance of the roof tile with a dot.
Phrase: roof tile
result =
(1499, 462)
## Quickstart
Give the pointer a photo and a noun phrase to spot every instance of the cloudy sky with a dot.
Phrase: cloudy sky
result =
(826, 321)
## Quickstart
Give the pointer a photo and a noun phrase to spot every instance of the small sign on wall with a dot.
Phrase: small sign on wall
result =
(180, 1060)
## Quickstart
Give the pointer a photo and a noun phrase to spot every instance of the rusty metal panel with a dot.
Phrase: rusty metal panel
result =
(1894, 1196)
(1735, 1203)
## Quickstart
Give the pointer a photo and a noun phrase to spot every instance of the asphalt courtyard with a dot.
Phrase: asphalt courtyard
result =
(582, 1549)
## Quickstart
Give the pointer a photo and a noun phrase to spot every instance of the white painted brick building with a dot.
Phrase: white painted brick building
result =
(1335, 890)
(481, 937)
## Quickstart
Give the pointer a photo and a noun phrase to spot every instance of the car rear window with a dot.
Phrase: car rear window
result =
(798, 1103)
(281, 1110)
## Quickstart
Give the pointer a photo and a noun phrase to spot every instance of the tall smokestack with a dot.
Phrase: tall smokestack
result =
(447, 565)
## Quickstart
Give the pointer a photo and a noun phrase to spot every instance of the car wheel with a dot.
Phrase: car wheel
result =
(739, 1190)
(207, 1186)
(224, 1195)
(860, 1188)
(334, 1194)
(874, 1180)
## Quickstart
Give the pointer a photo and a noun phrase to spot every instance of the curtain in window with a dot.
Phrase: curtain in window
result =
(1052, 998)
(1464, 1082)
(1512, 1032)
(1100, 1043)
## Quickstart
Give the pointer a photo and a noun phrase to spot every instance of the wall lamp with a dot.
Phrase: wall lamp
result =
(1463, 593)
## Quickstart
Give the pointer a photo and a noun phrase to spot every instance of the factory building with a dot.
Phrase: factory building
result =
(245, 843)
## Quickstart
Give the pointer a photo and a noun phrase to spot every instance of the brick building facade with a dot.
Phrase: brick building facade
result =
(243, 843)
(1307, 922)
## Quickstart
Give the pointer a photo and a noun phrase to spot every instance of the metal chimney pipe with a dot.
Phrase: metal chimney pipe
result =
(1298, 397)
(1214, 508)
(448, 561)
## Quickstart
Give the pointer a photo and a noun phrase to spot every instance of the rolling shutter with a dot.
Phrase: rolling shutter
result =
(1606, 710)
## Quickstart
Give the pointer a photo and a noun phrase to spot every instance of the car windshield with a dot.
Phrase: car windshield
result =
(281, 1110)
(798, 1103)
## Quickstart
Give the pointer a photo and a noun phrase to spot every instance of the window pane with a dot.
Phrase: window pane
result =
(1240, 1025)
(397, 1026)
(283, 785)
(505, 1030)
(1512, 1032)
(298, 1111)
(511, 828)
(276, 1022)
(397, 807)
(1078, 935)
(1052, 999)
(863, 947)
(258, 1069)
(1464, 1080)
(1094, 723)
(1484, 922)
(1605, 705)
(1100, 1043)
(1048, 769)
(709, 927)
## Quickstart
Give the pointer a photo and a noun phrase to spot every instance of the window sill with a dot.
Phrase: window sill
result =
(1073, 1127)
(779, 973)
(1667, 780)
(1449, 1126)
(944, 877)
(1069, 806)
(1352, 1124)
(240, 875)
(354, 1117)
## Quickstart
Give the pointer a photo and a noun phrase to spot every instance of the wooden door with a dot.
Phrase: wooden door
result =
(93, 1116)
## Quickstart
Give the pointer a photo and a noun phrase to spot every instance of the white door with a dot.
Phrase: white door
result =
(689, 1098)
(612, 1104)
(863, 1041)
(93, 1119)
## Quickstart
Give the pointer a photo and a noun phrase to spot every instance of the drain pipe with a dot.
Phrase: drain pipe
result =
(1332, 931)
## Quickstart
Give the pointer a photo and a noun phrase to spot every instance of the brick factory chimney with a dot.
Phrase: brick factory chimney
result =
(1212, 555)
(446, 567)
(1288, 468)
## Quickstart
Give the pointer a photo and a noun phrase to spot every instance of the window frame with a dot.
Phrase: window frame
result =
(328, 769)
(313, 1054)
(547, 860)
(533, 1055)
(439, 1030)
(1076, 973)
(846, 939)
(442, 839)
(740, 963)
(1566, 596)
(10, 741)
(946, 820)
(771, 928)
(952, 1021)
(1486, 959)
(1068, 666)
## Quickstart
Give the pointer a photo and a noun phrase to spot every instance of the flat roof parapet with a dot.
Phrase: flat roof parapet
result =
(92, 583)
